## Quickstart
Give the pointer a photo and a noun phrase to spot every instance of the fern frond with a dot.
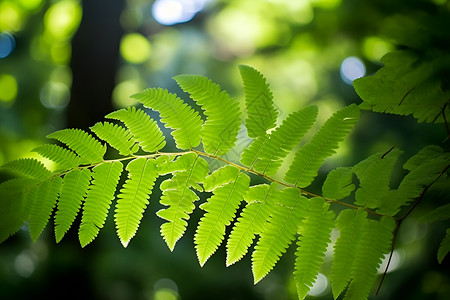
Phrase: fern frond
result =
(28, 167)
(260, 203)
(176, 114)
(401, 85)
(219, 132)
(439, 214)
(350, 224)
(228, 185)
(98, 200)
(142, 127)
(133, 197)
(279, 232)
(444, 247)
(310, 157)
(374, 174)
(82, 143)
(312, 244)
(44, 202)
(265, 154)
(188, 170)
(64, 158)
(15, 205)
(116, 136)
(413, 184)
(338, 184)
(74, 189)
(427, 153)
(375, 241)
(261, 114)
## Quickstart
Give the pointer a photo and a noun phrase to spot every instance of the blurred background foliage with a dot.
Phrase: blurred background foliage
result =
(67, 63)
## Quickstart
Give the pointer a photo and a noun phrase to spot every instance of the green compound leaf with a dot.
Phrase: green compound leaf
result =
(228, 186)
(74, 189)
(261, 114)
(444, 247)
(133, 197)
(280, 231)
(265, 154)
(116, 136)
(64, 158)
(14, 213)
(375, 241)
(28, 167)
(403, 84)
(350, 224)
(98, 200)
(219, 132)
(176, 114)
(144, 130)
(260, 204)
(338, 184)
(310, 157)
(188, 171)
(312, 244)
(374, 174)
(82, 143)
(45, 198)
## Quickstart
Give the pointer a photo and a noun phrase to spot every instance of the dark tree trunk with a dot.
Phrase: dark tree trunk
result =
(95, 57)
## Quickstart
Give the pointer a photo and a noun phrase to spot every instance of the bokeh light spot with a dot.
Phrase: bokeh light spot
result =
(30, 4)
(170, 12)
(7, 44)
(10, 17)
(351, 69)
(8, 88)
(24, 264)
(375, 48)
(123, 91)
(319, 286)
(55, 95)
(135, 48)
(62, 18)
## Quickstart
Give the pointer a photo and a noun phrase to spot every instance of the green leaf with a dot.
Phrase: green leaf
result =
(133, 197)
(401, 86)
(15, 207)
(312, 244)
(374, 174)
(310, 157)
(279, 232)
(228, 185)
(142, 127)
(338, 184)
(375, 241)
(116, 136)
(176, 114)
(350, 224)
(219, 132)
(444, 247)
(28, 167)
(260, 203)
(45, 200)
(74, 189)
(265, 154)
(441, 213)
(64, 158)
(188, 171)
(261, 114)
(82, 143)
(98, 200)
